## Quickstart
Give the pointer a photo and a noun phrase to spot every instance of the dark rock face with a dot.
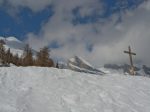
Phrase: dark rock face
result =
(80, 65)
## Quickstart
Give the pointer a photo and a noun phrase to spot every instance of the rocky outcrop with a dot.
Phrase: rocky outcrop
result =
(80, 65)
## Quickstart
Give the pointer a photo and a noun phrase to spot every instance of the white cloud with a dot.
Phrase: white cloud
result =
(134, 31)
(1, 1)
(35, 5)
(91, 7)
(146, 5)
(108, 39)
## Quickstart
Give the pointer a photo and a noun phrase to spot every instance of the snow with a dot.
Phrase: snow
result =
(79, 64)
(111, 71)
(87, 63)
(75, 58)
(10, 39)
(36, 89)
(2, 38)
(16, 46)
(13, 39)
(14, 51)
(76, 68)
(72, 60)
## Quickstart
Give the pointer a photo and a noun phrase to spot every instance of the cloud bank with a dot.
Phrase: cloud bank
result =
(99, 42)
(34, 5)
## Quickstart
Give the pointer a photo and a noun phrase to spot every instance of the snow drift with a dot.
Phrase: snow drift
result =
(35, 89)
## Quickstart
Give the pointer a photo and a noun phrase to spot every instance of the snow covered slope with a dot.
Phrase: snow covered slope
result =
(16, 46)
(80, 65)
(35, 89)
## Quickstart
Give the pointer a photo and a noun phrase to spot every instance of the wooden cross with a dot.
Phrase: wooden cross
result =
(132, 72)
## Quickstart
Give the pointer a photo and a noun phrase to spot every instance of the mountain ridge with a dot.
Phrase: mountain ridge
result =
(75, 63)
(80, 65)
(16, 46)
(140, 70)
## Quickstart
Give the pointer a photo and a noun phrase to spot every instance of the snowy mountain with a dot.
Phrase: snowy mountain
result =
(16, 46)
(36, 89)
(80, 65)
(140, 70)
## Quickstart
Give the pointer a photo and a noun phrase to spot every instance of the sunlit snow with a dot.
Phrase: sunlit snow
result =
(36, 89)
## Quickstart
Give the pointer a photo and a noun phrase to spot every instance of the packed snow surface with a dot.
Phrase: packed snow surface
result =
(35, 89)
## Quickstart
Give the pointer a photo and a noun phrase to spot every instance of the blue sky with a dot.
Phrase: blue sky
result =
(111, 7)
(26, 20)
(97, 30)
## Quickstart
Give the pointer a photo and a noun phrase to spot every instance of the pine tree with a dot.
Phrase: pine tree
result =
(2, 53)
(27, 56)
(57, 65)
(50, 63)
(43, 58)
(2, 42)
(15, 60)
(8, 56)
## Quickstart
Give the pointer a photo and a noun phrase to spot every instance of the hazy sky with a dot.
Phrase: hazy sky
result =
(97, 30)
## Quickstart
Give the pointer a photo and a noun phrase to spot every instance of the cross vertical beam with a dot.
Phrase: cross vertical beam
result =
(130, 55)
(132, 72)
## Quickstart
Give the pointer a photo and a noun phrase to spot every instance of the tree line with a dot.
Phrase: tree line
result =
(42, 58)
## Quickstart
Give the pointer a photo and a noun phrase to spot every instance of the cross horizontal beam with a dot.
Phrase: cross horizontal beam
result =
(129, 52)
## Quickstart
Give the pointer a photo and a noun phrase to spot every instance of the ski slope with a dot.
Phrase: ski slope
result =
(35, 89)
